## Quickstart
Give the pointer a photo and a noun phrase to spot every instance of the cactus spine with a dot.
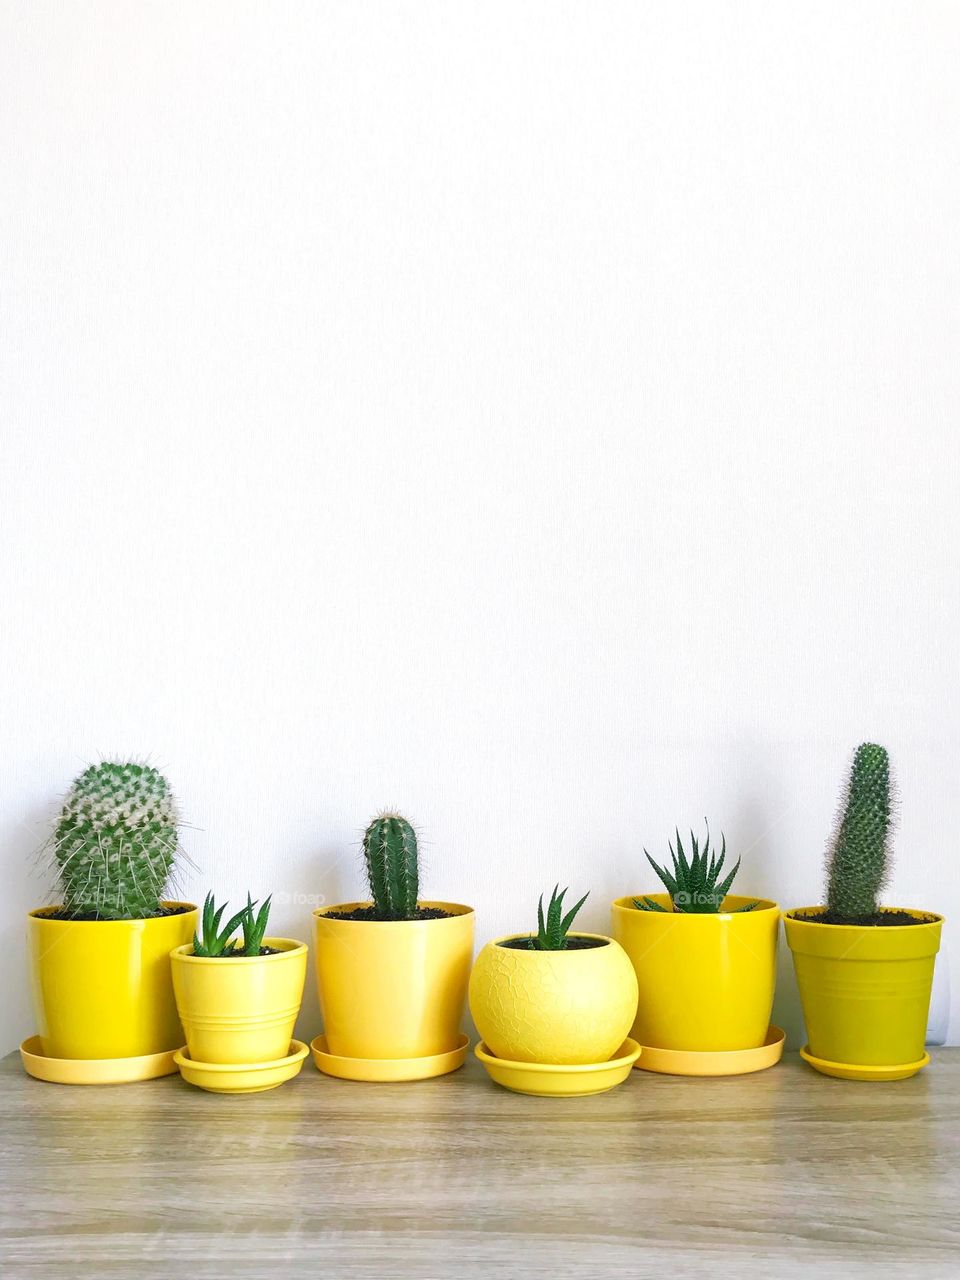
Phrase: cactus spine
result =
(858, 858)
(392, 860)
(116, 841)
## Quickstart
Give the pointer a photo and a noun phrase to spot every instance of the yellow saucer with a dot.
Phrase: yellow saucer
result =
(241, 1077)
(387, 1069)
(848, 1071)
(725, 1062)
(93, 1070)
(553, 1080)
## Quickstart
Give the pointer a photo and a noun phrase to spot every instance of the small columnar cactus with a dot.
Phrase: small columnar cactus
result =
(116, 841)
(857, 864)
(392, 859)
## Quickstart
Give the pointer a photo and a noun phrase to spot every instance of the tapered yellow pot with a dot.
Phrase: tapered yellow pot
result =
(242, 1009)
(553, 1007)
(706, 982)
(102, 988)
(865, 992)
(393, 988)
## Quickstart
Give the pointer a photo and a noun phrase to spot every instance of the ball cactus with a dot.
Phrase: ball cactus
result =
(859, 854)
(116, 841)
(392, 860)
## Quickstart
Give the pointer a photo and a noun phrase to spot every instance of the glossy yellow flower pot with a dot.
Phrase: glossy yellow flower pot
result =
(242, 1009)
(553, 1007)
(865, 990)
(393, 988)
(102, 988)
(706, 981)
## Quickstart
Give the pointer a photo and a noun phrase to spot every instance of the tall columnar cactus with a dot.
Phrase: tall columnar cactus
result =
(858, 858)
(116, 841)
(390, 851)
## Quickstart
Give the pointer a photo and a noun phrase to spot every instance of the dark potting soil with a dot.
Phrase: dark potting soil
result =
(878, 919)
(371, 913)
(60, 914)
(573, 944)
(238, 951)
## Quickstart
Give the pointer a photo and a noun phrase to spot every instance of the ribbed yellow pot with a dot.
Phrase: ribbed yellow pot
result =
(102, 988)
(242, 1009)
(559, 1007)
(393, 988)
(706, 981)
(865, 990)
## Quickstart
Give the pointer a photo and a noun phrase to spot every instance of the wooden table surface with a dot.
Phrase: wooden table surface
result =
(777, 1174)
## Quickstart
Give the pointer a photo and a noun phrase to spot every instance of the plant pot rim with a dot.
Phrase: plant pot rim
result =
(285, 947)
(763, 907)
(576, 951)
(457, 911)
(796, 917)
(44, 913)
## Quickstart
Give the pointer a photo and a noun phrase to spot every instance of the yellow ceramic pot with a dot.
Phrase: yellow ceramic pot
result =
(393, 988)
(706, 981)
(101, 988)
(865, 990)
(553, 1007)
(242, 1009)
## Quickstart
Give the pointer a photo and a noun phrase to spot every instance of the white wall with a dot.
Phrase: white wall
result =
(539, 417)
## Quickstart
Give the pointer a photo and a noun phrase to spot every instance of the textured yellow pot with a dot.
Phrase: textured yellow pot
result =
(242, 1009)
(560, 1007)
(706, 981)
(102, 988)
(393, 988)
(865, 990)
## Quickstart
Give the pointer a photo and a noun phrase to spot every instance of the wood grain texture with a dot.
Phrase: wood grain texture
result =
(764, 1175)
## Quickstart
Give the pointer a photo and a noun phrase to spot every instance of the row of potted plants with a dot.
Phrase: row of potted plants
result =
(684, 984)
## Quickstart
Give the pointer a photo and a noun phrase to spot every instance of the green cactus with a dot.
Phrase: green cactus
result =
(116, 841)
(857, 863)
(392, 860)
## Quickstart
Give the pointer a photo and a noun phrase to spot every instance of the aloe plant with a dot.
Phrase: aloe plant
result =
(115, 843)
(211, 941)
(858, 860)
(393, 866)
(552, 928)
(694, 885)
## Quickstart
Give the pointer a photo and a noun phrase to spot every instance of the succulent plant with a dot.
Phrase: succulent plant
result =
(211, 941)
(552, 931)
(693, 886)
(858, 860)
(115, 842)
(393, 869)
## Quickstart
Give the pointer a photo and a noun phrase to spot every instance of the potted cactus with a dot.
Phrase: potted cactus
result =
(100, 959)
(705, 961)
(864, 971)
(553, 997)
(392, 971)
(238, 1000)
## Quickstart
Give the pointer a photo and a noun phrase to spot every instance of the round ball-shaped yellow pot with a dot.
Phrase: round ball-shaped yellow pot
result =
(865, 990)
(393, 988)
(560, 1007)
(242, 1009)
(706, 981)
(102, 988)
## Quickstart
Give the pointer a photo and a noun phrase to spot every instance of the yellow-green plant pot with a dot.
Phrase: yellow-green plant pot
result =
(102, 988)
(393, 988)
(706, 982)
(553, 1007)
(865, 992)
(240, 1010)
